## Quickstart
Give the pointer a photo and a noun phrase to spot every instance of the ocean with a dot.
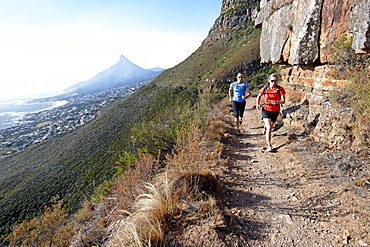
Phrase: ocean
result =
(12, 111)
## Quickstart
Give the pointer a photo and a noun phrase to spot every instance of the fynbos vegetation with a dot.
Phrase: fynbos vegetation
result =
(354, 69)
(149, 198)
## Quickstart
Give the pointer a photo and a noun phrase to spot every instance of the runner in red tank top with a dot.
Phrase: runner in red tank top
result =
(274, 97)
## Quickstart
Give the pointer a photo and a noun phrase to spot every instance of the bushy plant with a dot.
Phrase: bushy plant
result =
(341, 52)
(51, 229)
(356, 70)
(131, 182)
(258, 78)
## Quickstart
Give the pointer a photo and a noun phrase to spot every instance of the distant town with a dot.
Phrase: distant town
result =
(37, 127)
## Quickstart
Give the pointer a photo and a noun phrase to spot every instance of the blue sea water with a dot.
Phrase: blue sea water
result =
(12, 111)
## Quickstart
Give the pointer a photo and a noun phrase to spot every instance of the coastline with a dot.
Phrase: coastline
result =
(12, 111)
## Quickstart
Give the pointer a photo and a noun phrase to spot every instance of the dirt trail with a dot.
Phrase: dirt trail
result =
(304, 193)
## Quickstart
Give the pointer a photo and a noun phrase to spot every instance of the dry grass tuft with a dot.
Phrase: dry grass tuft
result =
(161, 208)
(143, 227)
(216, 129)
(218, 125)
(195, 186)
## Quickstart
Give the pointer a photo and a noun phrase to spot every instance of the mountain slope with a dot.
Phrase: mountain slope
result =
(75, 164)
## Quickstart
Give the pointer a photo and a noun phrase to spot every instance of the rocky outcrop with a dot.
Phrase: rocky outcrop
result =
(233, 17)
(359, 21)
(311, 92)
(299, 34)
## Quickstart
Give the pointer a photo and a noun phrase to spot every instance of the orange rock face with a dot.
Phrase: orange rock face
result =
(335, 16)
(301, 32)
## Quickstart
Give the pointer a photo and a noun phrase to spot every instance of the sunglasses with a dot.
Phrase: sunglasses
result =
(273, 80)
(240, 77)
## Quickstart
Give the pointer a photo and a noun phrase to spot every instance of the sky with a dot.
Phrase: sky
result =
(49, 45)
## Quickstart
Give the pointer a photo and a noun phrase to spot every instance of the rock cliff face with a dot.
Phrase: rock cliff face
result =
(235, 14)
(298, 34)
(233, 43)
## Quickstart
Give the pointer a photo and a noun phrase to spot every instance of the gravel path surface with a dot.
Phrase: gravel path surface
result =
(304, 193)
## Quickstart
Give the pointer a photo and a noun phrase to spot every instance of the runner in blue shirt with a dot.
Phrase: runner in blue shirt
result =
(238, 92)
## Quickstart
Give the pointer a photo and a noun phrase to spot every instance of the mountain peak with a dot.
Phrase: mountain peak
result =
(123, 59)
(122, 73)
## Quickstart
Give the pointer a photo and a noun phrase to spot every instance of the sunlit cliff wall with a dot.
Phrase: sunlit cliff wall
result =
(234, 16)
(298, 34)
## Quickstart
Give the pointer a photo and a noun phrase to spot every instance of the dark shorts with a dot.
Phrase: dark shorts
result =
(238, 108)
(273, 115)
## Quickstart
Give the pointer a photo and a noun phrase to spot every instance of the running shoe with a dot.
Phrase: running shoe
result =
(269, 148)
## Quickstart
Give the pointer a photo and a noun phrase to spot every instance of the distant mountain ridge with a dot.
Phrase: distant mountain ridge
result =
(122, 73)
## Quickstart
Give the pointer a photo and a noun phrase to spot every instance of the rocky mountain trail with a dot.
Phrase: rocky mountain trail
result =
(304, 193)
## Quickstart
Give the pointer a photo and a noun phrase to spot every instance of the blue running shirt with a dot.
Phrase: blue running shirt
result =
(239, 90)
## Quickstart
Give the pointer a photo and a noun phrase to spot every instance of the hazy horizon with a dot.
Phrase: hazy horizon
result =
(51, 45)
(22, 98)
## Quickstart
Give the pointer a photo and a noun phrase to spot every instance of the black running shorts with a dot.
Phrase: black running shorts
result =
(273, 115)
(238, 108)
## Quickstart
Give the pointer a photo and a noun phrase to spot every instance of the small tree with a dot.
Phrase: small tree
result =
(50, 229)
